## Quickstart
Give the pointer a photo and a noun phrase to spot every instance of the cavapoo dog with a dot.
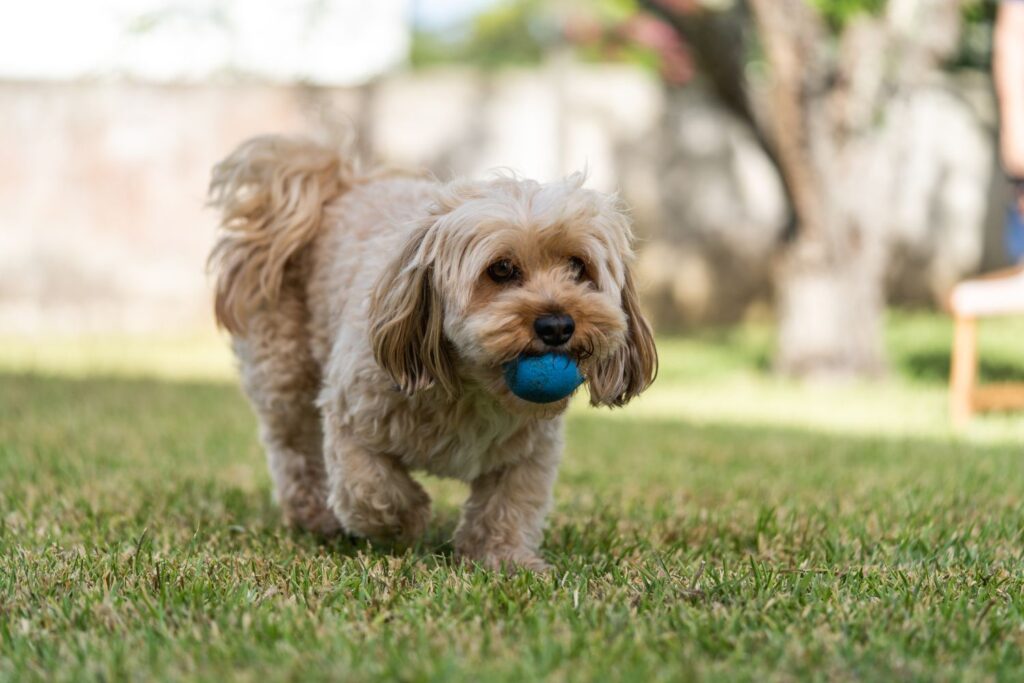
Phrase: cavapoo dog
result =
(372, 315)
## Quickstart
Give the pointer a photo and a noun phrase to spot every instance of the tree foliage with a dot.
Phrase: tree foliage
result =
(837, 13)
(511, 33)
(523, 32)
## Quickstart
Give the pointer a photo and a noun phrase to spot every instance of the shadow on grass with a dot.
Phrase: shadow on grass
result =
(183, 456)
(934, 367)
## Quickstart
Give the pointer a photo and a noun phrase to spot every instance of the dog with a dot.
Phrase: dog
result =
(371, 315)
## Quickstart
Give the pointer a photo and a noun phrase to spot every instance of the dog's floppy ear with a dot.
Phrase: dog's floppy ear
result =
(619, 378)
(406, 322)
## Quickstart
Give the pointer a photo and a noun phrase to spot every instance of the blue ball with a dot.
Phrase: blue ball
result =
(543, 379)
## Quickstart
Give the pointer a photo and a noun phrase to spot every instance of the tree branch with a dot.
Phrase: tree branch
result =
(792, 36)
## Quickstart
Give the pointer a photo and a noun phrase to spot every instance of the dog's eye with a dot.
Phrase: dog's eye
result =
(579, 268)
(502, 271)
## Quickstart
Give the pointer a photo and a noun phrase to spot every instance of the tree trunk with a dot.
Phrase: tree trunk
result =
(829, 278)
(830, 312)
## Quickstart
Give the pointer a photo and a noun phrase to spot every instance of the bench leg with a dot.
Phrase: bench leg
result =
(964, 369)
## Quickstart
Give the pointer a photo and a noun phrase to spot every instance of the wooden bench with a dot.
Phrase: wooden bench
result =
(996, 294)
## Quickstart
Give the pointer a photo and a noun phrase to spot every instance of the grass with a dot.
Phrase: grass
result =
(729, 526)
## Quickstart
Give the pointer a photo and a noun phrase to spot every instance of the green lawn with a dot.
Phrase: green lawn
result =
(728, 526)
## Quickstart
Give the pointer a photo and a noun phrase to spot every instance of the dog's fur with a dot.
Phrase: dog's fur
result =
(371, 337)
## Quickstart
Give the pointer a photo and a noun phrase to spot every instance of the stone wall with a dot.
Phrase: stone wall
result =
(103, 225)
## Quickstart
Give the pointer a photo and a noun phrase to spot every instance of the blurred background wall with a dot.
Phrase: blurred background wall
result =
(114, 112)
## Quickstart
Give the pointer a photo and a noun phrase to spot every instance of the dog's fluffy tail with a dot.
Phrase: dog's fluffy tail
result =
(271, 192)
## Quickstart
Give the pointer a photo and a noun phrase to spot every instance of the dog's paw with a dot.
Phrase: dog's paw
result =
(310, 513)
(402, 518)
(321, 521)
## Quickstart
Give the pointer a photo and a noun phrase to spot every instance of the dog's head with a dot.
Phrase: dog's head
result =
(507, 267)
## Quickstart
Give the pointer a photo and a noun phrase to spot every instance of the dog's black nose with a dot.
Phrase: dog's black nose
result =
(554, 330)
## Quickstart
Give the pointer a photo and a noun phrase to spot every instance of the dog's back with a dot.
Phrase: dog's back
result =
(271, 191)
(360, 234)
(298, 222)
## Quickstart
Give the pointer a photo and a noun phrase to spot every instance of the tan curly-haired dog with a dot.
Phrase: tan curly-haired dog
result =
(371, 315)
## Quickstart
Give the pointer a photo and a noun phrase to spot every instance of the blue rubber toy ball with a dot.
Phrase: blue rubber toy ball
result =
(543, 379)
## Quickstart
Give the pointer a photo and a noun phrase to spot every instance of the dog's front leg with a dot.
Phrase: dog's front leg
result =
(503, 520)
(372, 494)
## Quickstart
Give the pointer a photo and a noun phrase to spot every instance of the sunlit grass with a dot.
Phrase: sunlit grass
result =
(724, 377)
(729, 526)
(199, 356)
